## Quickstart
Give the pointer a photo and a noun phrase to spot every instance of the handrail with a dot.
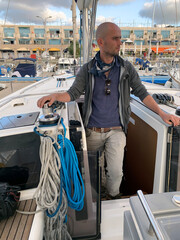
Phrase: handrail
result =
(150, 216)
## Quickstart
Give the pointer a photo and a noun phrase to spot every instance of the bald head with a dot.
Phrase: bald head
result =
(103, 29)
(108, 36)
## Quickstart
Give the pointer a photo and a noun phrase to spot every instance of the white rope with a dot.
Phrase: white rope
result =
(48, 192)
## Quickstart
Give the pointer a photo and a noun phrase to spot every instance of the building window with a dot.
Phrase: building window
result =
(165, 43)
(54, 42)
(39, 41)
(24, 31)
(152, 33)
(24, 41)
(54, 33)
(9, 41)
(139, 33)
(68, 33)
(125, 33)
(177, 33)
(66, 42)
(9, 32)
(165, 34)
(39, 32)
(138, 42)
(153, 43)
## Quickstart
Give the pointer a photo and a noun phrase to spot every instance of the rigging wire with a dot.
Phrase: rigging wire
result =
(149, 51)
(153, 13)
(176, 13)
(162, 11)
(6, 12)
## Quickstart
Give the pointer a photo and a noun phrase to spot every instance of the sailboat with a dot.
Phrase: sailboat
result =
(151, 165)
(174, 73)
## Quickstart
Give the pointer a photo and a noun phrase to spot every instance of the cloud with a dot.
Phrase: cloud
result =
(27, 10)
(166, 12)
(114, 2)
(101, 19)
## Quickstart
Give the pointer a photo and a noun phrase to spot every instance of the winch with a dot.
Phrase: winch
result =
(49, 113)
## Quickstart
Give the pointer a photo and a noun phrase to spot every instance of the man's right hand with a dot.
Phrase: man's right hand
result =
(50, 99)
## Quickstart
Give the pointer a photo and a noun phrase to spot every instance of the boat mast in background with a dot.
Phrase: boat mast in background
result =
(73, 7)
(149, 52)
(87, 8)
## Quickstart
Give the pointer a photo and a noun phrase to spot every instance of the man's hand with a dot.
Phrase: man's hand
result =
(50, 99)
(169, 119)
(61, 97)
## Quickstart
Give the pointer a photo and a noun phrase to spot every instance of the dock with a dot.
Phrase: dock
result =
(14, 84)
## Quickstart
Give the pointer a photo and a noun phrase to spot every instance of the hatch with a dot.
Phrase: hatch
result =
(19, 120)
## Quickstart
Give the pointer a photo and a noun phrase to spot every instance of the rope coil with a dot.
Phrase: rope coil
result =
(60, 184)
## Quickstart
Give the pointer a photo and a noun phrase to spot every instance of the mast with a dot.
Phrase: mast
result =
(85, 34)
(88, 11)
(149, 52)
(74, 27)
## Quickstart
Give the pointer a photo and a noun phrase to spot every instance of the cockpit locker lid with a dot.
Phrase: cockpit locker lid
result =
(19, 120)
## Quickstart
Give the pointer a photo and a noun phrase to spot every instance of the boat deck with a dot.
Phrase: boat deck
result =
(112, 223)
(18, 226)
(12, 87)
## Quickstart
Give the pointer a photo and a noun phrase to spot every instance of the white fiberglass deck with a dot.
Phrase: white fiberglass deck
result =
(112, 214)
(112, 222)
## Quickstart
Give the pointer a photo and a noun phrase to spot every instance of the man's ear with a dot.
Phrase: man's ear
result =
(100, 42)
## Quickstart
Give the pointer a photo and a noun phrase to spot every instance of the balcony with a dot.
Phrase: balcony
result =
(9, 35)
(68, 34)
(39, 42)
(152, 36)
(139, 37)
(40, 35)
(54, 36)
(177, 36)
(8, 41)
(24, 35)
(165, 35)
(25, 42)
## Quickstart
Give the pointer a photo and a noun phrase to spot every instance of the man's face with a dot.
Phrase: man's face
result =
(112, 42)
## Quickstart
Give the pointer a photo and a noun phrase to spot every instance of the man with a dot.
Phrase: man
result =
(107, 80)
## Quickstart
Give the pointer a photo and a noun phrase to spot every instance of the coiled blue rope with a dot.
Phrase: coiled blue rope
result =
(72, 180)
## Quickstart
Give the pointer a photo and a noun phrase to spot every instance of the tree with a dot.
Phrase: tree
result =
(70, 49)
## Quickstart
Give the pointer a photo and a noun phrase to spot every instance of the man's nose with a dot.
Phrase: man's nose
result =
(119, 41)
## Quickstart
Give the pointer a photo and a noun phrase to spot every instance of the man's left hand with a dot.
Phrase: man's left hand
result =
(170, 119)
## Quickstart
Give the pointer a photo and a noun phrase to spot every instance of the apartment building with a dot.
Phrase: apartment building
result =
(158, 38)
(19, 41)
(24, 40)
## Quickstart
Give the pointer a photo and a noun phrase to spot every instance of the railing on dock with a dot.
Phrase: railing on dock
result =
(20, 79)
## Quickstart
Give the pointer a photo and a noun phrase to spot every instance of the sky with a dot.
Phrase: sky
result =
(122, 12)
